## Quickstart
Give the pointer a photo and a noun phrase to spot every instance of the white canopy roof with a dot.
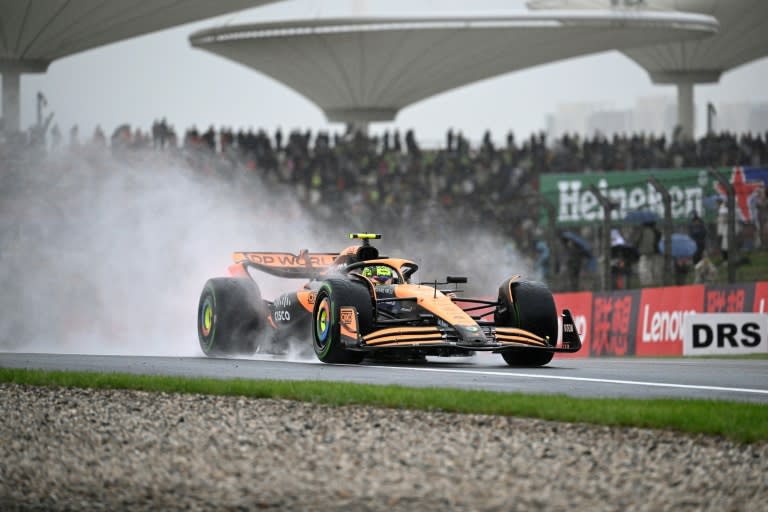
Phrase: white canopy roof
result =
(35, 32)
(743, 37)
(367, 69)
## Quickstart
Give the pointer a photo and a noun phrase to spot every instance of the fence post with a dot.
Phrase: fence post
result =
(666, 200)
(607, 205)
(552, 241)
(731, 204)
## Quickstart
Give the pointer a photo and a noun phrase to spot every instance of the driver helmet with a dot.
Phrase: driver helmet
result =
(379, 274)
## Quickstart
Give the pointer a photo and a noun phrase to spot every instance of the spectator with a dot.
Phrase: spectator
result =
(574, 263)
(55, 137)
(705, 272)
(681, 267)
(697, 230)
(74, 136)
(649, 263)
(623, 256)
(357, 176)
(722, 227)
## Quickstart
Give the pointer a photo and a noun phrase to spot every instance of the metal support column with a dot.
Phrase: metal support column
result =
(730, 202)
(666, 200)
(607, 205)
(11, 101)
(554, 251)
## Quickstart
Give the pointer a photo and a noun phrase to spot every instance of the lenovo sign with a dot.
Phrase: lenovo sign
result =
(725, 333)
(662, 314)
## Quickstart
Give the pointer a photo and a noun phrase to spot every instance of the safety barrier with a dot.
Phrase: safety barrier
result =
(650, 322)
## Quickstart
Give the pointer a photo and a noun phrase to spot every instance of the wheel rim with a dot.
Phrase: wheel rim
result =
(323, 322)
(207, 319)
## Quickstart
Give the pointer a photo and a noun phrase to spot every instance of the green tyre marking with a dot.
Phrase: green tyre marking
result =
(212, 334)
(326, 348)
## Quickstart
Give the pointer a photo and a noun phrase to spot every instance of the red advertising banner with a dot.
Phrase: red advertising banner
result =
(580, 305)
(613, 317)
(761, 298)
(660, 318)
(649, 322)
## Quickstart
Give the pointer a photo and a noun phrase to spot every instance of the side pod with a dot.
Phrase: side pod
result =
(570, 339)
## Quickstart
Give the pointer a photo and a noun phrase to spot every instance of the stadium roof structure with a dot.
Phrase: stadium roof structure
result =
(34, 33)
(361, 70)
(742, 38)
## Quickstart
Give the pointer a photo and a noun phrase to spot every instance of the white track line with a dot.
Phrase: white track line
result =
(579, 379)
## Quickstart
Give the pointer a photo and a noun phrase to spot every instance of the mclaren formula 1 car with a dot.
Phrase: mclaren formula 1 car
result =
(357, 303)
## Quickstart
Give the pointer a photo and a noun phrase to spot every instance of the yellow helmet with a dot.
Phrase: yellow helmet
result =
(378, 273)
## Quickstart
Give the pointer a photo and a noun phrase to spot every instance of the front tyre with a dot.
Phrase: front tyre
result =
(326, 329)
(231, 316)
(528, 305)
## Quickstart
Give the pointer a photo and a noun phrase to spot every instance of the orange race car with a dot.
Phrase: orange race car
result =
(359, 303)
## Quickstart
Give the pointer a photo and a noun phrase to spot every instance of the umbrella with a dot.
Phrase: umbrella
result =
(641, 217)
(683, 246)
(578, 241)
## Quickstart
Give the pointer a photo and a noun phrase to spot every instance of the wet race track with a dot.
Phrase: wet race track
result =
(721, 379)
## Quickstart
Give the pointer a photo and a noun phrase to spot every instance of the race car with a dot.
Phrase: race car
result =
(358, 303)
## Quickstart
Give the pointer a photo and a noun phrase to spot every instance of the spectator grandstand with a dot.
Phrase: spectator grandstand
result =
(364, 182)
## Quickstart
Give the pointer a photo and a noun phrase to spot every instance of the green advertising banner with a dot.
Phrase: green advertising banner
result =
(575, 204)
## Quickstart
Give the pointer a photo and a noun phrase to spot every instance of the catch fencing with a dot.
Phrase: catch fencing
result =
(731, 202)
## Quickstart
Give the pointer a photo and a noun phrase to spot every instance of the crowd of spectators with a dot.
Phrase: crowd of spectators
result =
(387, 179)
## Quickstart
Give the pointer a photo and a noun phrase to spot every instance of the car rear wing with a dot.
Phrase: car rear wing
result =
(305, 265)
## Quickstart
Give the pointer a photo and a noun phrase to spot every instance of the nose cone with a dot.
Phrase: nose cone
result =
(471, 334)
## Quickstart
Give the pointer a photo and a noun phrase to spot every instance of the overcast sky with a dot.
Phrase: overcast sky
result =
(161, 75)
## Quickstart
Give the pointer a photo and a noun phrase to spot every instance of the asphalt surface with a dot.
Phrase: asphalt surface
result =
(720, 379)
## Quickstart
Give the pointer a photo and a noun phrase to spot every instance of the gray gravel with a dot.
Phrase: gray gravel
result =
(73, 449)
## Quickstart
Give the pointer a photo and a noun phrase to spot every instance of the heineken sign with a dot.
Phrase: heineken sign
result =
(690, 190)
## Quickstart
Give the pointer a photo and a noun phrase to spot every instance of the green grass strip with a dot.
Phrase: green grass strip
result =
(742, 422)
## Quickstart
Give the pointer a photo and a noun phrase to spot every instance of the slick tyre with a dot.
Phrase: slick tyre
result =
(231, 317)
(326, 329)
(532, 308)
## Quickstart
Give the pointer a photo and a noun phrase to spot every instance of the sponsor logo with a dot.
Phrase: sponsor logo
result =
(282, 315)
(578, 204)
(284, 301)
(612, 325)
(347, 316)
(311, 297)
(663, 326)
(662, 311)
(278, 259)
(725, 300)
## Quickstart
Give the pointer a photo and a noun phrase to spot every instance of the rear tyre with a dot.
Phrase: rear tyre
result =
(326, 329)
(231, 317)
(532, 308)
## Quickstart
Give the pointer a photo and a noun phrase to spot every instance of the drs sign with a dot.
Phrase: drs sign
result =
(725, 333)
